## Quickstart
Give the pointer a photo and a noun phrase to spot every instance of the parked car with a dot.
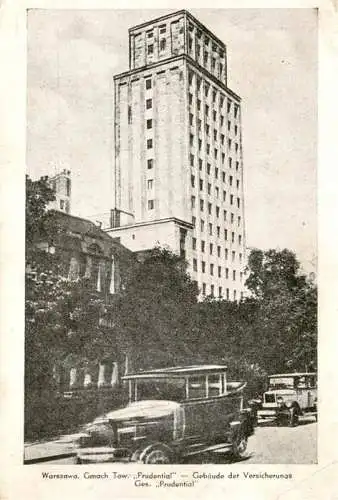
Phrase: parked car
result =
(289, 396)
(173, 413)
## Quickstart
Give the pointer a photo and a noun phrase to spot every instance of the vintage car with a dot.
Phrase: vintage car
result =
(289, 396)
(172, 413)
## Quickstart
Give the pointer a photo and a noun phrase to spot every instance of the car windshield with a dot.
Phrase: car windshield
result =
(167, 389)
(281, 383)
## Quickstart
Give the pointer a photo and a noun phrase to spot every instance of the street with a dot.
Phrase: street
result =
(269, 445)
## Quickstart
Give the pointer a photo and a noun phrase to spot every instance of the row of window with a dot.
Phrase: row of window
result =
(200, 163)
(217, 191)
(207, 126)
(219, 270)
(217, 211)
(231, 106)
(162, 46)
(220, 292)
(214, 46)
(192, 139)
(219, 250)
(218, 231)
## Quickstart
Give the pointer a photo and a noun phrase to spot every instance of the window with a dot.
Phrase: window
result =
(240, 258)
(202, 225)
(215, 153)
(163, 29)
(191, 160)
(162, 44)
(233, 255)
(226, 273)
(222, 139)
(193, 221)
(194, 243)
(210, 228)
(191, 140)
(149, 103)
(200, 163)
(241, 277)
(236, 147)
(208, 149)
(209, 208)
(226, 253)
(234, 275)
(190, 77)
(197, 387)
(223, 176)
(199, 144)
(229, 125)
(223, 158)
(207, 129)
(225, 214)
(150, 163)
(221, 100)
(202, 246)
(199, 104)
(240, 239)
(191, 118)
(149, 124)
(202, 205)
(218, 251)
(237, 184)
(236, 130)
(233, 237)
(230, 162)
(203, 266)
(211, 248)
(194, 264)
(222, 120)
(206, 57)
(218, 231)
(227, 293)
(229, 106)
(62, 204)
(201, 184)
(214, 113)
(208, 168)
(150, 34)
(150, 49)
(220, 69)
(231, 199)
(150, 183)
(193, 181)
(232, 218)
(217, 212)
(206, 41)
(193, 200)
(239, 220)
(206, 90)
(190, 98)
(237, 166)
(151, 204)
(219, 271)
(149, 143)
(238, 202)
(217, 191)
(211, 269)
(230, 180)
(213, 63)
(220, 296)
(207, 110)
(225, 234)
(215, 135)
(214, 96)
(235, 294)
(209, 188)
(229, 143)
(224, 195)
(236, 111)
(199, 124)
(198, 83)
(190, 43)
(216, 172)
(204, 288)
(148, 84)
(198, 50)
(212, 290)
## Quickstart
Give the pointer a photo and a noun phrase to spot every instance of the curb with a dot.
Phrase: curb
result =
(49, 458)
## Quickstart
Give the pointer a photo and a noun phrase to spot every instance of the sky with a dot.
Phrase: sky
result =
(272, 64)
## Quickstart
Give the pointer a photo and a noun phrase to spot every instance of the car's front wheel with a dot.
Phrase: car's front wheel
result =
(156, 455)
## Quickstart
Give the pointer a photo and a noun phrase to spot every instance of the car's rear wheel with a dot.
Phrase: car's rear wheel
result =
(156, 456)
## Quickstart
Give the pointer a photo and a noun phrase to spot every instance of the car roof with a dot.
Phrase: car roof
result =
(298, 374)
(177, 371)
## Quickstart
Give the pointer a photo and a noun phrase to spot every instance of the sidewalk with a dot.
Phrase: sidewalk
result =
(61, 447)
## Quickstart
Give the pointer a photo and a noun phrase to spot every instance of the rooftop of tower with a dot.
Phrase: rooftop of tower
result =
(176, 13)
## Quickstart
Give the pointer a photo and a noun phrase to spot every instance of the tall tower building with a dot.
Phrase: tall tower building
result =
(178, 152)
(61, 184)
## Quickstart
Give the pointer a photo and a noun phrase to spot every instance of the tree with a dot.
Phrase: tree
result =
(153, 313)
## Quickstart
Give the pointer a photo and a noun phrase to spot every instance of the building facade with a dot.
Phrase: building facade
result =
(61, 185)
(178, 152)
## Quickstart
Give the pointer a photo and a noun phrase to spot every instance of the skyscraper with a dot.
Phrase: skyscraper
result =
(178, 152)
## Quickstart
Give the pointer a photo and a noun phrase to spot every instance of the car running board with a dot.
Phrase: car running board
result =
(218, 448)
